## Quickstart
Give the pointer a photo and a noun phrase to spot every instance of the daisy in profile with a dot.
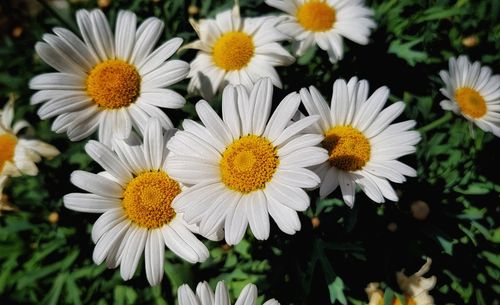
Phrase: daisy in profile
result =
(235, 50)
(473, 92)
(205, 296)
(325, 22)
(415, 288)
(135, 194)
(107, 82)
(246, 165)
(362, 143)
(19, 154)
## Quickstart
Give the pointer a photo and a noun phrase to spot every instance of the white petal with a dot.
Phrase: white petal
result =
(90, 203)
(258, 217)
(96, 184)
(154, 257)
(132, 252)
(237, 221)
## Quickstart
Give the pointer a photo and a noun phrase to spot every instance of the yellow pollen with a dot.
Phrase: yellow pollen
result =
(248, 164)
(348, 148)
(113, 84)
(316, 16)
(233, 51)
(470, 102)
(8, 144)
(147, 199)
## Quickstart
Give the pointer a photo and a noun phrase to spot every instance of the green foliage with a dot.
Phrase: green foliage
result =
(43, 262)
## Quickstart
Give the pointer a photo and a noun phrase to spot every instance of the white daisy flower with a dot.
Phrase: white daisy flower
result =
(472, 92)
(415, 288)
(235, 50)
(325, 22)
(18, 155)
(362, 146)
(245, 165)
(107, 82)
(205, 296)
(135, 193)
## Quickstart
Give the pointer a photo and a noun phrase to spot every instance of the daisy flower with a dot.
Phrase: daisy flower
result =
(245, 165)
(107, 82)
(415, 288)
(472, 92)
(205, 296)
(135, 194)
(18, 155)
(235, 50)
(325, 22)
(362, 143)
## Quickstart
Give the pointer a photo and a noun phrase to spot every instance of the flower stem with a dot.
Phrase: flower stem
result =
(445, 118)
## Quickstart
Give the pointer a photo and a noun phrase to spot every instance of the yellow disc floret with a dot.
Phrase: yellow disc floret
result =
(470, 102)
(348, 148)
(316, 16)
(8, 144)
(147, 199)
(248, 164)
(233, 51)
(113, 84)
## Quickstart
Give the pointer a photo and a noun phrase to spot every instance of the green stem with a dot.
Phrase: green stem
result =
(445, 118)
(56, 15)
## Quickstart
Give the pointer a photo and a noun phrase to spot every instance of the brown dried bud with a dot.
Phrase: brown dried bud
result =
(420, 210)
(103, 3)
(392, 226)
(470, 41)
(226, 247)
(315, 222)
(53, 217)
(193, 10)
(17, 31)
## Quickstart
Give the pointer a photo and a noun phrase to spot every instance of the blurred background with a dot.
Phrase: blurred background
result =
(449, 212)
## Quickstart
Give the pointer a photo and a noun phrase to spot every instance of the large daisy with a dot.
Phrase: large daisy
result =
(107, 82)
(472, 92)
(325, 22)
(362, 143)
(135, 194)
(415, 288)
(18, 154)
(205, 296)
(245, 165)
(235, 50)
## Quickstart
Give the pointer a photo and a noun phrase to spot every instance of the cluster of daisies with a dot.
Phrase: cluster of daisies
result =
(215, 178)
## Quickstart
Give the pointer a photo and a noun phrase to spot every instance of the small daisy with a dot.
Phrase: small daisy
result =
(415, 288)
(235, 50)
(245, 165)
(18, 155)
(325, 22)
(362, 146)
(473, 92)
(135, 193)
(107, 82)
(205, 296)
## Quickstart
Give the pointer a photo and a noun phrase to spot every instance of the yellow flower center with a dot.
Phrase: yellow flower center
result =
(8, 144)
(348, 148)
(470, 102)
(233, 51)
(248, 164)
(113, 84)
(147, 199)
(316, 16)
(395, 301)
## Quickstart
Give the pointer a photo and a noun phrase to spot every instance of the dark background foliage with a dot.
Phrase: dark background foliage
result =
(45, 249)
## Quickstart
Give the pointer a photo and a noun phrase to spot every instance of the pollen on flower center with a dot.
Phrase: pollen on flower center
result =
(348, 148)
(248, 164)
(316, 16)
(233, 51)
(470, 102)
(147, 199)
(113, 84)
(8, 146)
